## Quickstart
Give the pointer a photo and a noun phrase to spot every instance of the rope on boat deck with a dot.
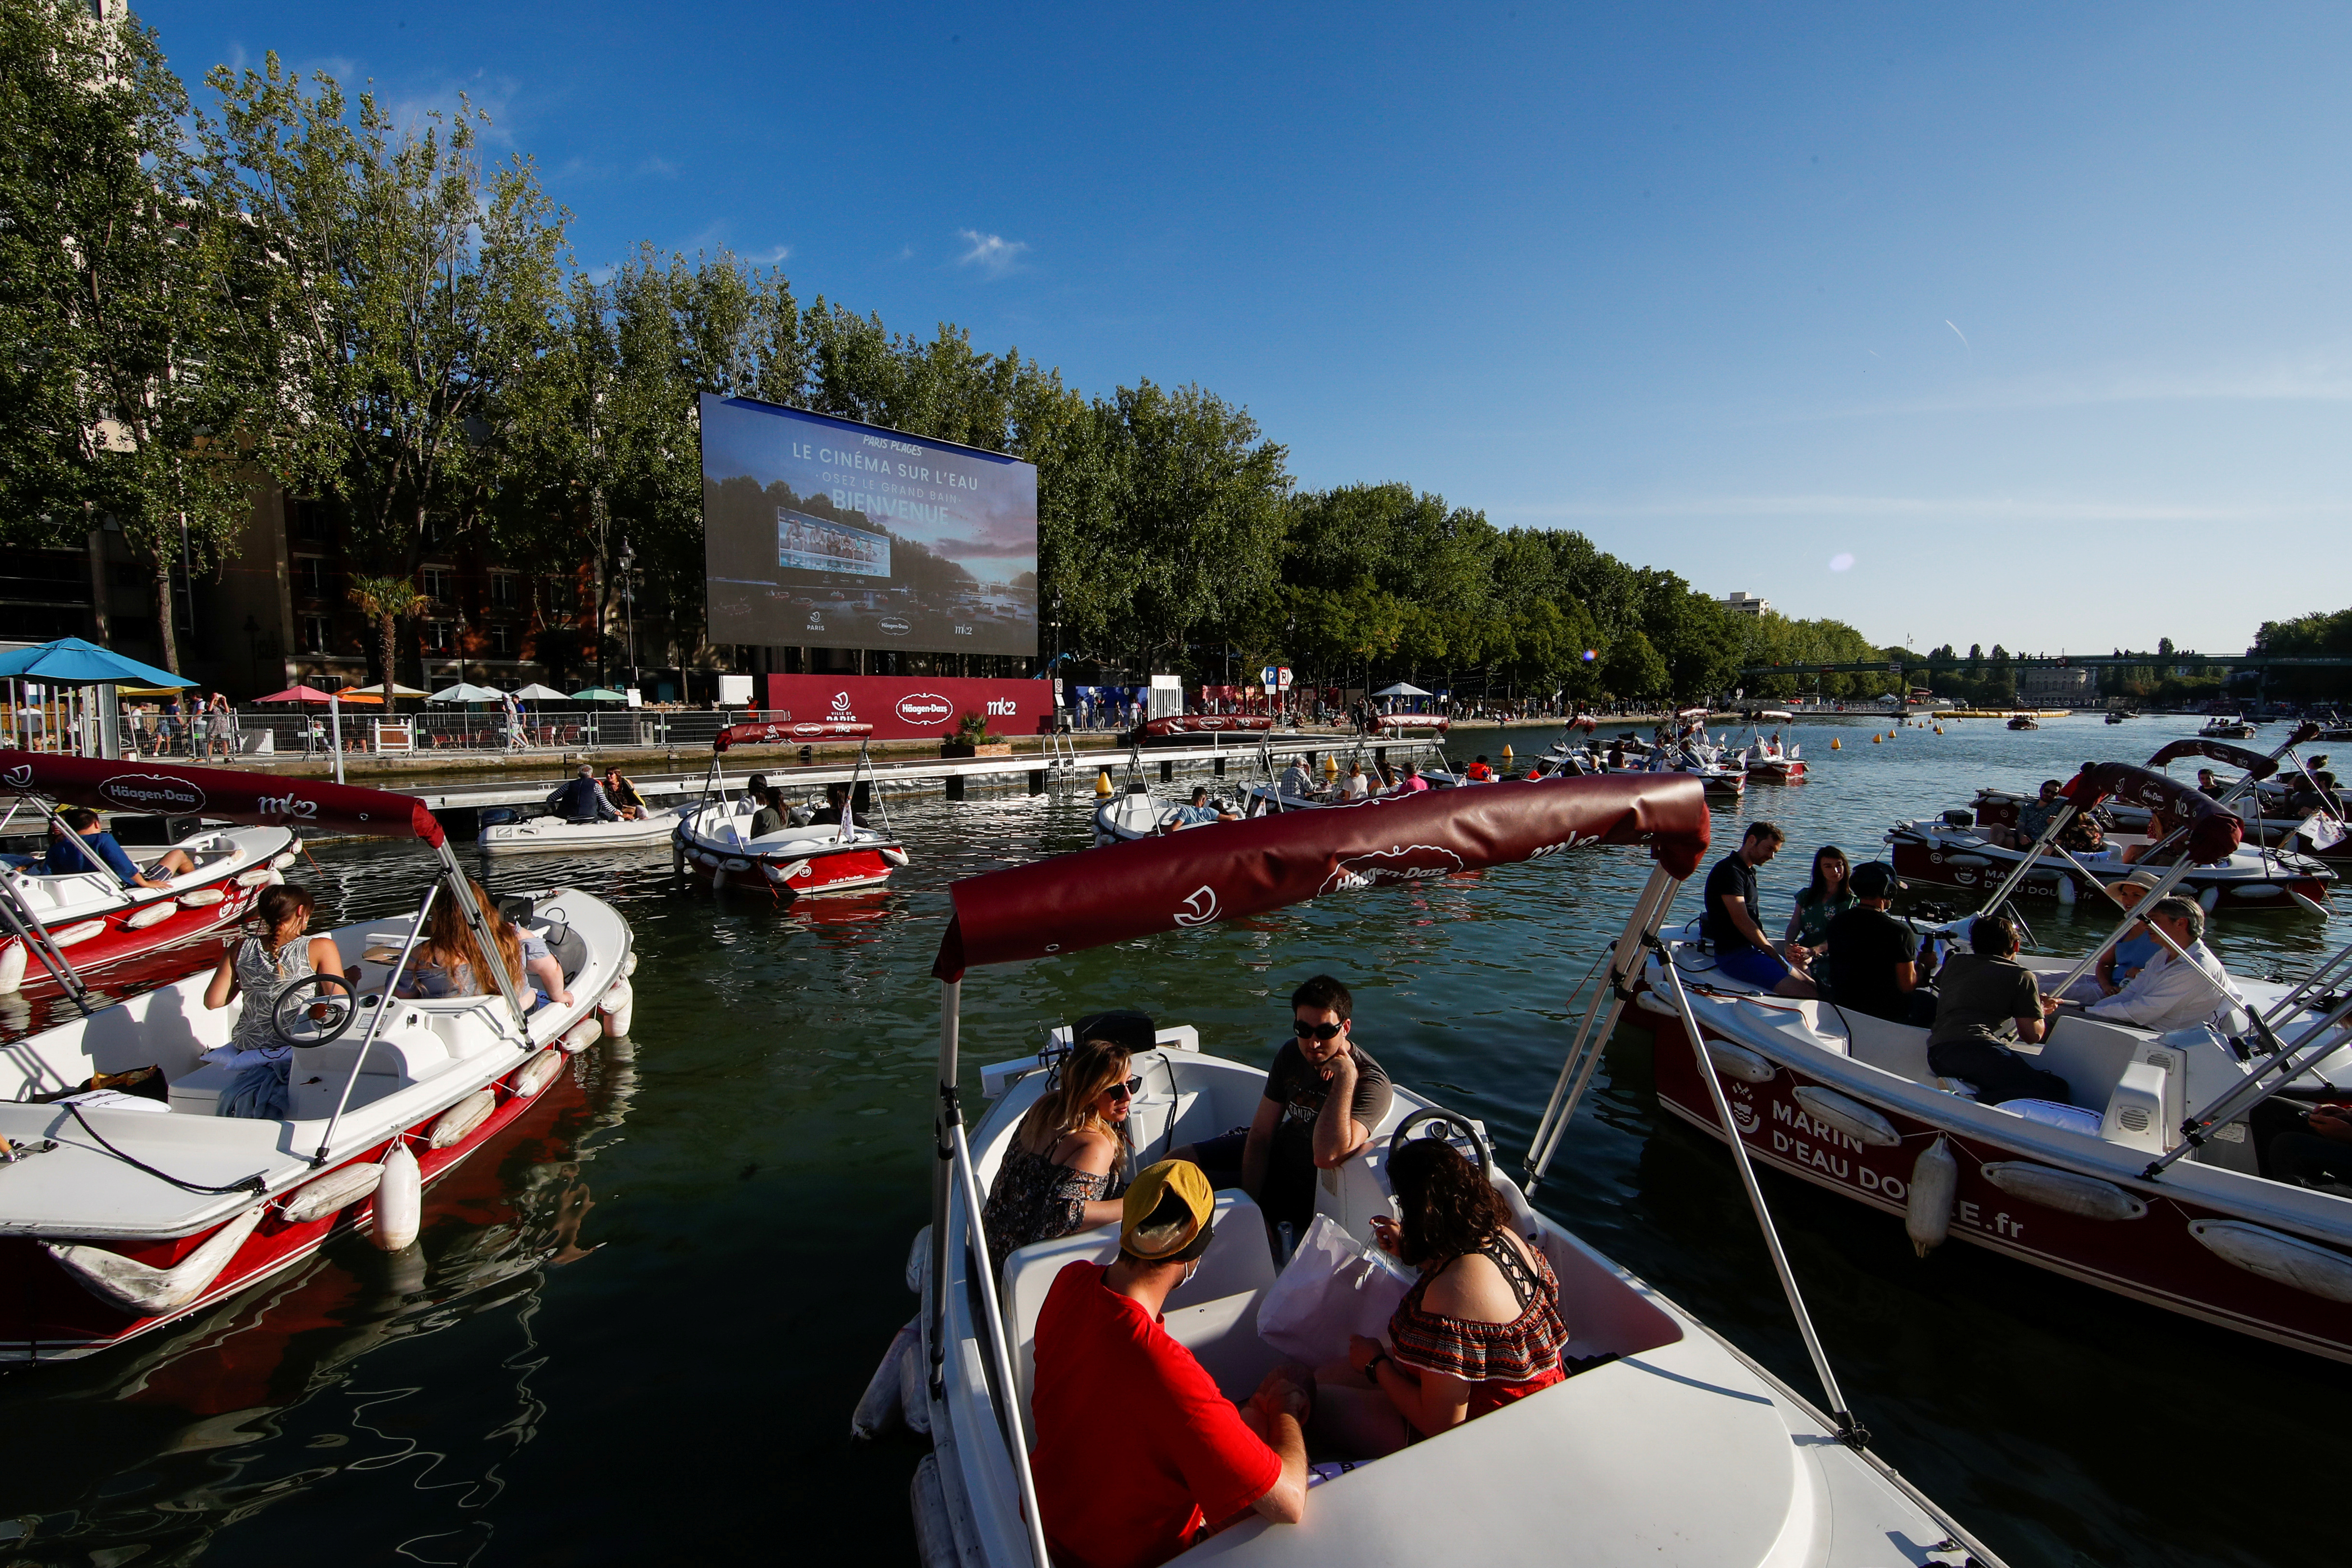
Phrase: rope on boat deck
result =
(252, 1184)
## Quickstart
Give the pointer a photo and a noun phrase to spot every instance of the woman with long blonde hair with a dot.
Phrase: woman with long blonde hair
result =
(1069, 1161)
(448, 963)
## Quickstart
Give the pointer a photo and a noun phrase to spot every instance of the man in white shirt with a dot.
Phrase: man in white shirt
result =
(2170, 994)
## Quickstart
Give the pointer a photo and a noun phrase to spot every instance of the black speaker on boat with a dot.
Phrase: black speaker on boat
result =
(1956, 818)
(148, 829)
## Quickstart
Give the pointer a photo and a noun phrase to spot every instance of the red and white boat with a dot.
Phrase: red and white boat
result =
(1402, 723)
(129, 934)
(120, 1214)
(1175, 729)
(715, 836)
(1680, 1448)
(1767, 760)
(1959, 852)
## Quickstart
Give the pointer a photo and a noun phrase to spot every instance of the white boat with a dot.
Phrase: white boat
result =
(2227, 727)
(803, 857)
(1668, 1445)
(538, 835)
(125, 1213)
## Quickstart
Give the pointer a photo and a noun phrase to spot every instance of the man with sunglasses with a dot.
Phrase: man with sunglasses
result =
(1324, 1095)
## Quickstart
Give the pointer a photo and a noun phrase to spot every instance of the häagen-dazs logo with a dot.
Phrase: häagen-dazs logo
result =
(1404, 862)
(151, 792)
(925, 707)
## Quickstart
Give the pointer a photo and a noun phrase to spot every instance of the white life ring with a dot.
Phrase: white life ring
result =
(1848, 1115)
(82, 932)
(399, 1199)
(331, 1192)
(201, 897)
(2065, 1191)
(154, 914)
(462, 1118)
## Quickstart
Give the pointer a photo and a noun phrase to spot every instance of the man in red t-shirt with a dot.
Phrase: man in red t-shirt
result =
(1138, 1453)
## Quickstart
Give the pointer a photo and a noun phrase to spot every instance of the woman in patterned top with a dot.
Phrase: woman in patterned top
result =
(1479, 1328)
(261, 966)
(1069, 1162)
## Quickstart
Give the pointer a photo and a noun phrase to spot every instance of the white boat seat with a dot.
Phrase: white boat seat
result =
(565, 946)
(1214, 1315)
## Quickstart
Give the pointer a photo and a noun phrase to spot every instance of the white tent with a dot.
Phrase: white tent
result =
(535, 693)
(1402, 689)
(464, 692)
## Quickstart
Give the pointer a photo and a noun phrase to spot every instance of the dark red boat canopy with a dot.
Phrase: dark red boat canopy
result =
(784, 734)
(1234, 869)
(2253, 762)
(2214, 831)
(1206, 723)
(218, 792)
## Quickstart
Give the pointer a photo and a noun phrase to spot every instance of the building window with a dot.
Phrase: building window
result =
(502, 639)
(314, 634)
(313, 523)
(129, 574)
(440, 636)
(506, 590)
(436, 581)
(312, 579)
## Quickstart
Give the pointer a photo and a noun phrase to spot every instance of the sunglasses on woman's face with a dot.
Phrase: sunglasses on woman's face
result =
(1316, 1031)
(1126, 1091)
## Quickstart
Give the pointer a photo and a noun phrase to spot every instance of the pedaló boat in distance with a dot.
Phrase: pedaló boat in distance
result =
(120, 1214)
(1672, 1436)
(121, 931)
(715, 834)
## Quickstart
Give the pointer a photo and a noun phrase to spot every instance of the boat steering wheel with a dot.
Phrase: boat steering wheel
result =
(1455, 1130)
(315, 1011)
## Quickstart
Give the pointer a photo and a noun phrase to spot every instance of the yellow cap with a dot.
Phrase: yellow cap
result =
(1167, 1211)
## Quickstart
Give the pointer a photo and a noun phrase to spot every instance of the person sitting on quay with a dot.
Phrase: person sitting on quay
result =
(85, 845)
(1197, 813)
(1984, 992)
(1480, 1329)
(2171, 993)
(581, 800)
(1742, 951)
(622, 792)
(1069, 1161)
(1187, 1462)
(1873, 958)
(1324, 1096)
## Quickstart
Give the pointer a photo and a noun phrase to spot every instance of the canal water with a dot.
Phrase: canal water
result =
(639, 1322)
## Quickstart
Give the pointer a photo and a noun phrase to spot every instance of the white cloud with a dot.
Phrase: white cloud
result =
(659, 168)
(770, 258)
(993, 253)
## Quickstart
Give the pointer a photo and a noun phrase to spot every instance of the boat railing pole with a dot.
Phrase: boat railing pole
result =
(1016, 1436)
(948, 1115)
(28, 929)
(1849, 1432)
(2165, 883)
(2311, 1047)
(2057, 822)
(1600, 1019)
(375, 1024)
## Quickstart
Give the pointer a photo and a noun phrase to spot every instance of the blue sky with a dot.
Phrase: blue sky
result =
(2037, 314)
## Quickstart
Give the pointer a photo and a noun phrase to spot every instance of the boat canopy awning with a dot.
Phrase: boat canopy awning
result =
(2214, 830)
(784, 733)
(1236, 870)
(219, 792)
(2253, 762)
(1777, 713)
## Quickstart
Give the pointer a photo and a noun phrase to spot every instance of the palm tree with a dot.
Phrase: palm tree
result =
(386, 600)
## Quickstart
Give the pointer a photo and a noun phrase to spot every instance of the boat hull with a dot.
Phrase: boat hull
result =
(1977, 869)
(122, 955)
(807, 869)
(2154, 1259)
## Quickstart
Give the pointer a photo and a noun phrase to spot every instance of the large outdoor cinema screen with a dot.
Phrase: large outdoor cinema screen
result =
(829, 533)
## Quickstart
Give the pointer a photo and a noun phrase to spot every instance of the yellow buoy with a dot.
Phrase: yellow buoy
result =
(1876, 738)
(1837, 744)
(1506, 754)
(1102, 785)
(1940, 729)
(1330, 764)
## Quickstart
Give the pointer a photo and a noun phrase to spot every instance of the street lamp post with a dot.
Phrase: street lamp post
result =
(629, 604)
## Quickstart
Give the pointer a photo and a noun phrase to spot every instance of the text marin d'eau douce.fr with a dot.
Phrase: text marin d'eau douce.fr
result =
(888, 500)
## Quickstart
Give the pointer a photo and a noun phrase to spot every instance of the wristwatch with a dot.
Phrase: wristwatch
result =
(1372, 1367)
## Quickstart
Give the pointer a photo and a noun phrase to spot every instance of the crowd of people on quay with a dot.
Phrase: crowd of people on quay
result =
(1479, 1327)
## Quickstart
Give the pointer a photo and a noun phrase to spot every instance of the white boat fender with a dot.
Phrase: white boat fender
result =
(579, 1036)
(201, 897)
(12, 967)
(914, 1395)
(540, 1070)
(919, 1259)
(1848, 1115)
(896, 857)
(2282, 1258)
(283, 859)
(736, 862)
(462, 1118)
(935, 1542)
(2065, 1191)
(154, 914)
(630, 966)
(1934, 1183)
(1738, 1061)
(2210, 897)
(275, 878)
(331, 1192)
(257, 877)
(145, 1290)
(717, 881)
(73, 934)
(2066, 894)
(878, 1409)
(399, 1199)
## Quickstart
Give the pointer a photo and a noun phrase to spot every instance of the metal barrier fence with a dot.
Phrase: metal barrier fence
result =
(276, 731)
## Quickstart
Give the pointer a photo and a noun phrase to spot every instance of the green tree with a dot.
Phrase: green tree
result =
(1204, 504)
(384, 601)
(119, 394)
(1632, 670)
(405, 288)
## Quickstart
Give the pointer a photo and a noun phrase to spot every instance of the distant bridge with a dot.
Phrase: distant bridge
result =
(2064, 662)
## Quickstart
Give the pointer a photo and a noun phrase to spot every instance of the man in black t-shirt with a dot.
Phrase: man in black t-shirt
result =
(1324, 1097)
(1742, 951)
(1873, 957)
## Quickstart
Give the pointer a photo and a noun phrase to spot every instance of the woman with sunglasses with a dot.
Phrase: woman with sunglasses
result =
(1067, 1166)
